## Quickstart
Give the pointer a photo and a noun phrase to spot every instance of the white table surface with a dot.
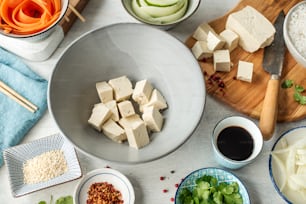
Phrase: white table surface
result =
(195, 153)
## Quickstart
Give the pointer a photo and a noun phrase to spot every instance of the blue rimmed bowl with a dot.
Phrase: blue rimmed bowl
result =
(220, 174)
(277, 173)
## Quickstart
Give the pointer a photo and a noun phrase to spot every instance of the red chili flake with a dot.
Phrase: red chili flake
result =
(223, 92)
(176, 185)
(205, 73)
(162, 178)
(108, 167)
(165, 190)
(221, 84)
(216, 78)
(172, 199)
(234, 77)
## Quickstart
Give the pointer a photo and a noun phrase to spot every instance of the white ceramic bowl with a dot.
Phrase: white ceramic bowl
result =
(139, 52)
(119, 181)
(250, 127)
(220, 174)
(193, 5)
(290, 39)
(279, 173)
(43, 33)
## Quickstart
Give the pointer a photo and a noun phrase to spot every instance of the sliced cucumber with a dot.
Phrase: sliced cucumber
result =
(156, 11)
(173, 17)
(157, 14)
(161, 3)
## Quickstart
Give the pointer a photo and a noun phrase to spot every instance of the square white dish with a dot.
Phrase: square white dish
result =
(15, 157)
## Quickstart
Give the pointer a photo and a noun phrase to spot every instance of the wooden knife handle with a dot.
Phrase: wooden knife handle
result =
(268, 114)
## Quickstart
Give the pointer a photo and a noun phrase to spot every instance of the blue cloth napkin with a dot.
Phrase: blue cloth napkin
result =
(15, 120)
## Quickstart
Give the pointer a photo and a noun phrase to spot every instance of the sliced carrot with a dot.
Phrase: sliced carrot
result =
(28, 16)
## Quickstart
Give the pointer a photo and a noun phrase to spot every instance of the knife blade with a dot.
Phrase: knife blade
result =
(273, 64)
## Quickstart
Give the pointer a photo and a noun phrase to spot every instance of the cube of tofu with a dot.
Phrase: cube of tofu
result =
(137, 135)
(214, 41)
(157, 100)
(153, 118)
(105, 91)
(142, 92)
(231, 39)
(112, 106)
(222, 61)
(113, 131)
(100, 113)
(122, 87)
(254, 29)
(201, 51)
(245, 71)
(129, 121)
(126, 108)
(201, 32)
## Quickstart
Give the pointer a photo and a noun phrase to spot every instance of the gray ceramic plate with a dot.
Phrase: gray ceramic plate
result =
(139, 52)
(15, 157)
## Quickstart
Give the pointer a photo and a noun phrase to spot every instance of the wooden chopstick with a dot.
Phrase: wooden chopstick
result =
(17, 97)
(76, 13)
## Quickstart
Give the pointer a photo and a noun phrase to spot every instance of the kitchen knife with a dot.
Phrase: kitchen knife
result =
(272, 63)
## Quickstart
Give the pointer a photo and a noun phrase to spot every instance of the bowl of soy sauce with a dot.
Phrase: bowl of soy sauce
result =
(236, 142)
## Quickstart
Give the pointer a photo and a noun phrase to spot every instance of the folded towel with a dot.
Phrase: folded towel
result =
(15, 120)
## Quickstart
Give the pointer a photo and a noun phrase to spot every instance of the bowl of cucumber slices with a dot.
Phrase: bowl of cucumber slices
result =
(163, 14)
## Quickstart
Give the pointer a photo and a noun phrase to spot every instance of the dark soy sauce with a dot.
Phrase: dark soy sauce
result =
(235, 143)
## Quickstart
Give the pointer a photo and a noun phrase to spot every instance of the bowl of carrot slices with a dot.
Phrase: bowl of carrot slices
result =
(28, 19)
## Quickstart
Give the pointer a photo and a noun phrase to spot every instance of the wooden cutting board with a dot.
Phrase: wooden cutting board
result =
(79, 5)
(248, 97)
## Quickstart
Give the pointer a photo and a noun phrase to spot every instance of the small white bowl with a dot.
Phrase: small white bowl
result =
(43, 33)
(289, 39)
(193, 5)
(250, 127)
(111, 176)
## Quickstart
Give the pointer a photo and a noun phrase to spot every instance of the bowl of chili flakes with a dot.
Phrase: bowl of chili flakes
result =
(115, 186)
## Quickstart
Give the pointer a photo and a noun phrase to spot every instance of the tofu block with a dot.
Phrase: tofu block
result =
(126, 108)
(142, 92)
(254, 29)
(105, 91)
(113, 131)
(214, 41)
(222, 61)
(112, 106)
(201, 32)
(137, 135)
(231, 39)
(245, 71)
(153, 118)
(157, 100)
(122, 87)
(129, 121)
(201, 51)
(100, 113)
